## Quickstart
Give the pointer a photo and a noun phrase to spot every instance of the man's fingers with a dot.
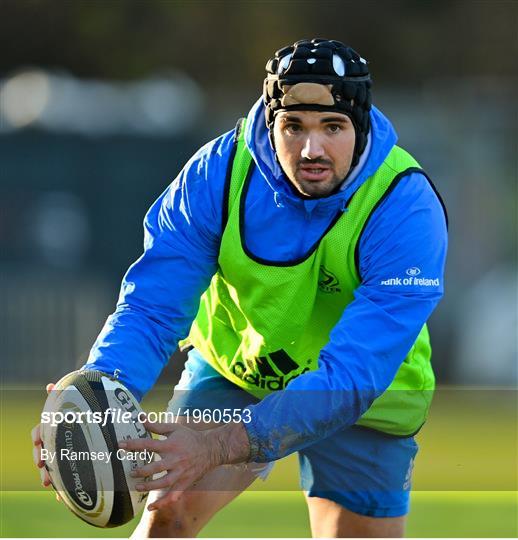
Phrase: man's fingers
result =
(36, 457)
(163, 482)
(36, 451)
(162, 428)
(35, 435)
(46, 481)
(151, 468)
(142, 444)
(45, 478)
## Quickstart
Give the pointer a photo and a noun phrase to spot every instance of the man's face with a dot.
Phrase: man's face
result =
(315, 149)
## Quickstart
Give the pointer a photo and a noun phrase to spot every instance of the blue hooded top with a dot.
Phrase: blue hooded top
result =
(160, 292)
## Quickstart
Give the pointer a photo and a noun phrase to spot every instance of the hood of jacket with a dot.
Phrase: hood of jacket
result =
(382, 138)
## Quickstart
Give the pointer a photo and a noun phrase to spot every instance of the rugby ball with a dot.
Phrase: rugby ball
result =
(83, 418)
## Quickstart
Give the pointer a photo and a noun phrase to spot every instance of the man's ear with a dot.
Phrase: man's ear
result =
(271, 138)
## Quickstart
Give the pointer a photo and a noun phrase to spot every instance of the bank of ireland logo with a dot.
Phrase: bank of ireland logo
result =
(327, 281)
(413, 271)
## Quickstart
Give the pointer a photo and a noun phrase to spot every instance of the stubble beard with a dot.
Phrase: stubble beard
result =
(317, 190)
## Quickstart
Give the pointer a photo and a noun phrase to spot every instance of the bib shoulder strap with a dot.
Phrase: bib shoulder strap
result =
(399, 160)
(398, 165)
(400, 156)
(239, 167)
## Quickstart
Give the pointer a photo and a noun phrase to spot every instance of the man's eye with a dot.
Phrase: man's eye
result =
(333, 128)
(292, 128)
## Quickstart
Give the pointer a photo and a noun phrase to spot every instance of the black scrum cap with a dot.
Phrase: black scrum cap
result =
(321, 75)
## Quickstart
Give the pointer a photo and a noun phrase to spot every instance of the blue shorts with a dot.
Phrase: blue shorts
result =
(366, 471)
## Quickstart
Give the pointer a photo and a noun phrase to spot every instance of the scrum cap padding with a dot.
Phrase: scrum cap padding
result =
(307, 93)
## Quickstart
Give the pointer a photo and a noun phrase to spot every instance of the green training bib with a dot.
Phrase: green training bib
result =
(261, 325)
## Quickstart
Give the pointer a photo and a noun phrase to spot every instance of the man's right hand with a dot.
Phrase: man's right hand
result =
(36, 453)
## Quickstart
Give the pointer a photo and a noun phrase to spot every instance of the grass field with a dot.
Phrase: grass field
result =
(278, 514)
(465, 478)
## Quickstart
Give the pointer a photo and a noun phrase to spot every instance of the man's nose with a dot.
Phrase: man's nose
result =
(312, 148)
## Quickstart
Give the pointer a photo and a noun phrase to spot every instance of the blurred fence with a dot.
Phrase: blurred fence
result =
(71, 212)
(48, 322)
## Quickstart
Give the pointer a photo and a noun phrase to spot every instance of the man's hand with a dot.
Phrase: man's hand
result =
(36, 453)
(186, 456)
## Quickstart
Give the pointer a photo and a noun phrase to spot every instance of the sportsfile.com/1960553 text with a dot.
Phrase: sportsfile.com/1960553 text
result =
(114, 415)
